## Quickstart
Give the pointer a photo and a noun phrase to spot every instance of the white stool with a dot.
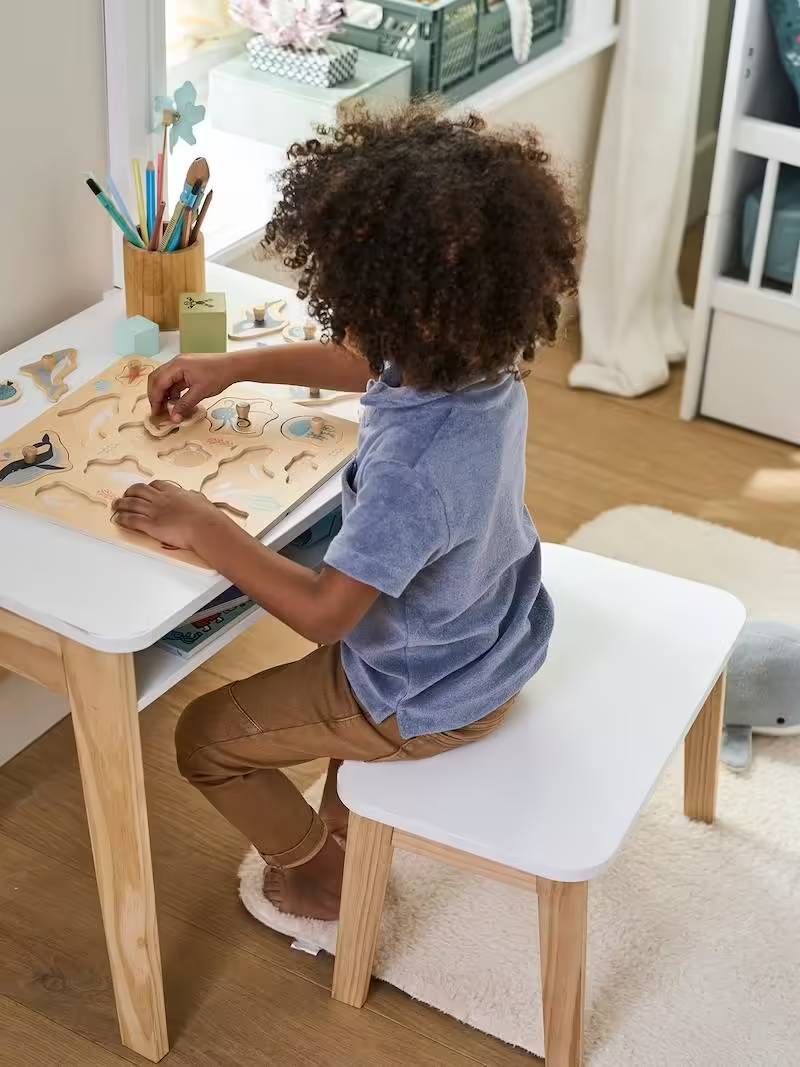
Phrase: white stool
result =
(636, 664)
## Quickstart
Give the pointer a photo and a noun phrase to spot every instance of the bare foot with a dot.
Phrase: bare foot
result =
(313, 890)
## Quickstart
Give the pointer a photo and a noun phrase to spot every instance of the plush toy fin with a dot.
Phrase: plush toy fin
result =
(737, 747)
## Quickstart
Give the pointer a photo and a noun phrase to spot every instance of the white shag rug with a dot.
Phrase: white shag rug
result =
(694, 933)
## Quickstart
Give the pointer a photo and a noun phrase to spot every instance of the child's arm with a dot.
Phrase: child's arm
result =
(322, 607)
(188, 379)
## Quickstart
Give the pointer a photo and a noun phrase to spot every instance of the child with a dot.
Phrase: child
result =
(433, 253)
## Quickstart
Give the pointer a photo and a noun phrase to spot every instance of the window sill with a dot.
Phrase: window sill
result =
(240, 230)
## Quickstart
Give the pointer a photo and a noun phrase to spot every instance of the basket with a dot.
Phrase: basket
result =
(455, 46)
(155, 280)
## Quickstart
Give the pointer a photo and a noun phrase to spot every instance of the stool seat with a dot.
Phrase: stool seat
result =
(553, 791)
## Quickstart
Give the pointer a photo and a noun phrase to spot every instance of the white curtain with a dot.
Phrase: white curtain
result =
(633, 323)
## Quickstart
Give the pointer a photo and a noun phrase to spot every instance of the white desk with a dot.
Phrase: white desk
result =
(73, 611)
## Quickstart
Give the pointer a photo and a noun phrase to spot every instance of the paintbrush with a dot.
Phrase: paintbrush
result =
(172, 237)
(201, 217)
(153, 246)
(198, 172)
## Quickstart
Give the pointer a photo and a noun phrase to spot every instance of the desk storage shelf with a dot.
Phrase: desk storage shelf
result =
(158, 670)
(744, 356)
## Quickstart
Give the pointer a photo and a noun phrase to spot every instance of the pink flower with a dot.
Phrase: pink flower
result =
(300, 24)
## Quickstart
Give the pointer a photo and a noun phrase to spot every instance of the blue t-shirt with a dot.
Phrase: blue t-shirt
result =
(434, 518)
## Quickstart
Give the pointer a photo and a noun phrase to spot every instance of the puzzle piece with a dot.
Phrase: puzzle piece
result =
(263, 319)
(235, 453)
(10, 390)
(312, 430)
(237, 415)
(50, 370)
(35, 460)
(161, 425)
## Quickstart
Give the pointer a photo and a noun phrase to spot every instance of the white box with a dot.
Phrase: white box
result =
(752, 376)
(268, 108)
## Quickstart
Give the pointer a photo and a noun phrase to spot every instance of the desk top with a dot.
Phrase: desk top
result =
(99, 594)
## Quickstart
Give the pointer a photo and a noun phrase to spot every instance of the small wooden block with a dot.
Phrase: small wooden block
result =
(203, 322)
(10, 390)
(137, 336)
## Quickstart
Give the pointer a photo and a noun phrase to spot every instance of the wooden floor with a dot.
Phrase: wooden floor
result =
(236, 994)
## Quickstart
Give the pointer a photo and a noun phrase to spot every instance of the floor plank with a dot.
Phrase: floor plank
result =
(227, 1005)
(30, 1040)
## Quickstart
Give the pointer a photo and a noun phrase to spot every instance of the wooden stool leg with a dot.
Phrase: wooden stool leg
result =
(102, 696)
(701, 757)
(366, 872)
(562, 947)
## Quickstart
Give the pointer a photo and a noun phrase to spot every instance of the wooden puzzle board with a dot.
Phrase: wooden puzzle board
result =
(68, 465)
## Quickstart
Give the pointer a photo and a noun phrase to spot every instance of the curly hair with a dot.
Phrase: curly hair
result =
(434, 244)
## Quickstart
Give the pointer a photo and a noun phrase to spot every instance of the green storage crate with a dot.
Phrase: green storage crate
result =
(455, 46)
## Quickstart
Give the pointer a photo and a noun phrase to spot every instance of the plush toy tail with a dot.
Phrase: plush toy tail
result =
(737, 747)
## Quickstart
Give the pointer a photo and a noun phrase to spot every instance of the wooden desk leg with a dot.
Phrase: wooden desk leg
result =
(102, 696)
(366, 872)
(701, 757)
(562, 948)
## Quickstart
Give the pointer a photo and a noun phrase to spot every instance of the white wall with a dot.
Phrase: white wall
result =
(54, 239)
(567, 111)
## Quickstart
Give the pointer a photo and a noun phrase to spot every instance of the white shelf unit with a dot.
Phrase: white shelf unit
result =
(744, 355)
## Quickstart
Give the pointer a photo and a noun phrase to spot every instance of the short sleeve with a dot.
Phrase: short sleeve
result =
(394, 527)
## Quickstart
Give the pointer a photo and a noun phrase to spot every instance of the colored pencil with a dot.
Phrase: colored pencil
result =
(150, 180)
(188, 219)
(118, 200)
(140, 206)
(201, 216)
(153, 246)
(127, 230)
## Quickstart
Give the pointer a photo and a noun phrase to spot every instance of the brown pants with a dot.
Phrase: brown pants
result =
(231, 742)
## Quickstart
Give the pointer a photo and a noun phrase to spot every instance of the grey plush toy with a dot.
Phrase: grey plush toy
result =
(763, 693)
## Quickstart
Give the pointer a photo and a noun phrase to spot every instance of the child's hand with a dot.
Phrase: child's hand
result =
(165, 512)
(185, 381)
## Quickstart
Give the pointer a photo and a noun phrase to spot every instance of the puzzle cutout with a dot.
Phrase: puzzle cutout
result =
(257, 458)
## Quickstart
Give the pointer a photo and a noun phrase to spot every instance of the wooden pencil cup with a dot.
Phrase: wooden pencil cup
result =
(155, 280)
